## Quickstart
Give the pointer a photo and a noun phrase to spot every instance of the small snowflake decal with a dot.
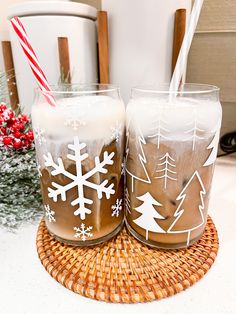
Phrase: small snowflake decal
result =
(116, 132)
(49, 214)
(79, 179)
(116, 208)
(83, 232)
(39, 135)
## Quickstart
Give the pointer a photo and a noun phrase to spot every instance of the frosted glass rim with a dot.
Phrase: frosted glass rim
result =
(188, 89)
(93, 88)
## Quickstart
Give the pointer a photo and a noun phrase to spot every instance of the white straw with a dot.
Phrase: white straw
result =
(183, 54)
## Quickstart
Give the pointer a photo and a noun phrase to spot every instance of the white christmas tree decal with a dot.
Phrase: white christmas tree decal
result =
(193, 216)
(160, 130)
(83, 232)
(116, 208)
(141, 158)
(49, 214)
(167, 162)
(214, 146)
(194, 131)
(147, 219)
(39, 135)
(79, 179)
(116, 132)
(127, 201)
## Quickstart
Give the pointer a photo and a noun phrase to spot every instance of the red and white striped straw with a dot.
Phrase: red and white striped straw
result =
(33, 60)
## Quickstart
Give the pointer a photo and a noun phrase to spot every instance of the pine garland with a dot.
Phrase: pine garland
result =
(20, 198)
(3, 87)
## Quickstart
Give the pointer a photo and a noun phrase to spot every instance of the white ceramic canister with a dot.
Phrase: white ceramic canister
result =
(141, 40)
(44, 22)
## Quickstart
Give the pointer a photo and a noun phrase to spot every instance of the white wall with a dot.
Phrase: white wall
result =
(4, 5)
(94, 3)
(140, 41)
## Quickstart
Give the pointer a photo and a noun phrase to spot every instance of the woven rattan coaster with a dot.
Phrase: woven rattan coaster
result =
(125, 271)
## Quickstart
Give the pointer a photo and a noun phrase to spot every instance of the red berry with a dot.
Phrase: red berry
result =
(17, 144)
(17, 126)
(11, 122)
(18, 134)
(3, 131)
(21, 126)
(23, 118)
(7, 140)
(8, 114)
(25, 143)
(29, 135)
(3, 107)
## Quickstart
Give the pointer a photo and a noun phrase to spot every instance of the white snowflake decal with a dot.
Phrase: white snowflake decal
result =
(39, 135)
(83, 232)
(49, 214)
(116, 208)
(79, 179)
(116, 132)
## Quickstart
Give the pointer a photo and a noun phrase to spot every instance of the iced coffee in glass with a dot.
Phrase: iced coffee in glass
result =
(171, 148)
(79, 145)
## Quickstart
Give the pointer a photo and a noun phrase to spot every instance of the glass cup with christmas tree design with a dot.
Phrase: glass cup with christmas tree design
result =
(171, 148)
(79, 145)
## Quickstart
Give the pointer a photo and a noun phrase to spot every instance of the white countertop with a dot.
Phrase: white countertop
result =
(26, 288)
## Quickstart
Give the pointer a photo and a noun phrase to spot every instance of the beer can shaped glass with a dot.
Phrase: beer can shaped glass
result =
(79, 146)
(171, 147)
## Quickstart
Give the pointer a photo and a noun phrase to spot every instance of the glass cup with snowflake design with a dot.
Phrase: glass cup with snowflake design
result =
(171, 149)
(79, 146)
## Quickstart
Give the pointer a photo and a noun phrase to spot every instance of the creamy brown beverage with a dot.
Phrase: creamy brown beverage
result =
(170, 154)
(80, 153)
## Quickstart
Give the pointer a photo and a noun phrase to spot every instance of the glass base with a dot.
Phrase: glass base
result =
(160, 245)
(88, 242)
